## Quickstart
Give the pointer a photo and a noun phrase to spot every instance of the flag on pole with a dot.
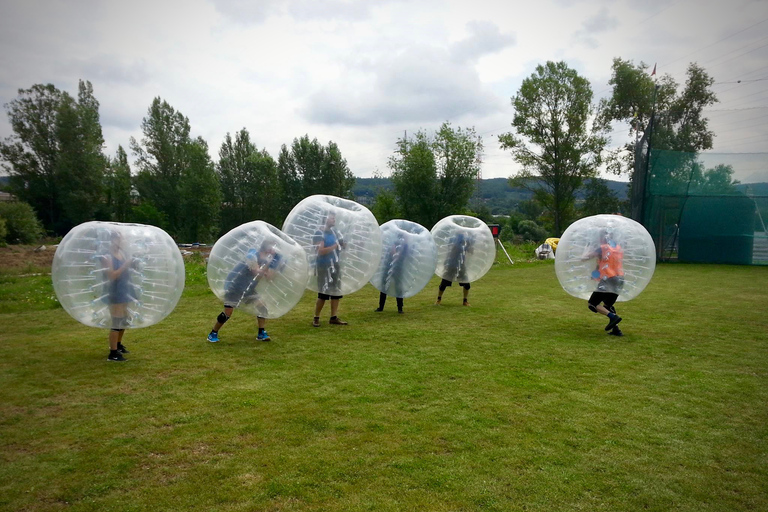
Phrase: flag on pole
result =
(653, 73)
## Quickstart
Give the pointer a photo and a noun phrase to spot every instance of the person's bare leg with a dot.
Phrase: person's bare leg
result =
(334, 307)
(319, 306)
(228, 312)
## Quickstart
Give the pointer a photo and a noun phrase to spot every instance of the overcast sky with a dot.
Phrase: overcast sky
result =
(362, 73)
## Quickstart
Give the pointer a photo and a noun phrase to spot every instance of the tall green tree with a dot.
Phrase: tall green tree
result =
(308, 168)
(199, 194)
(289, 187)
(414, 175)
(81, 165)
(31, 153)
(264, 187)
(556, 140)
(161, 157)
(680, 124)
(435, 176)
(248, 182)
(54, 157)
(234, 179)
(117, 186)
(599, 198)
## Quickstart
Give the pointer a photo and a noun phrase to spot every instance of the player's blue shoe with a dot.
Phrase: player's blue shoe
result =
(213, 337)
(263, 336)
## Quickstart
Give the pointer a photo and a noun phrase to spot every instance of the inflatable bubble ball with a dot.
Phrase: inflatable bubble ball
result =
(608, 253)
(408, 259)
(342, 241)
(465, 248)
(113, 275)
(259, 269)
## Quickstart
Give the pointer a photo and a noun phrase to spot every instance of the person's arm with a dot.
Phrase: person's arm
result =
(114, 273)
(323, 250)
(589, 254)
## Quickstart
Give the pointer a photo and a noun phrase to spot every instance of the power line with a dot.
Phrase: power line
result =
(742, 81)
(716, 42)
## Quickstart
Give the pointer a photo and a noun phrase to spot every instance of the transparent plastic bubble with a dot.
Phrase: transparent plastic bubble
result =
(408, 259)
(348, 231)
(627, 257)
(113, 275)
(465, 248)
(259, 269)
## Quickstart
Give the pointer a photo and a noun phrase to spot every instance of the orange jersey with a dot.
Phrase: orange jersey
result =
(611, 258)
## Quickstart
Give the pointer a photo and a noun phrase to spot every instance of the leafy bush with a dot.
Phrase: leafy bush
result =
(21, 223)
(529, 230)
(3, 232)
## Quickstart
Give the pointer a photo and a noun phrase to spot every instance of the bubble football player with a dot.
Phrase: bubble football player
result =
(119, 294)
(240, 287)
(396, 258)
(456, 265)
(609, 275)
(328, 246)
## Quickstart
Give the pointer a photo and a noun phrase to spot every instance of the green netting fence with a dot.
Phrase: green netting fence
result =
(705, 207)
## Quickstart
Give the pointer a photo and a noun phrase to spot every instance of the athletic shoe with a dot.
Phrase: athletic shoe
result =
(616, 332)
(114, 355)
(263, 336)
(121, 348)
(613, 322)
(337, 321)
(378, 310)
(438, 302)
(400, 311)
(466, 303)
(213, 337)
(316, 322)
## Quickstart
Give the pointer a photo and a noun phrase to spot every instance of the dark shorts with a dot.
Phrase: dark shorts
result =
(119, 292)
(611, 285)
(328, 280)
(234, 298)
(608, 299)
(446, 283)
(325, 296)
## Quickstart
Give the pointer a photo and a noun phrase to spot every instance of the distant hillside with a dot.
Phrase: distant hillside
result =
(495, 193)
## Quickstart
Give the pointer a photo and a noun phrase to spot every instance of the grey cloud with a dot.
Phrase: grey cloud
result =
(421, 85)
(249, 11)
(600, 22)
(115, 115)
(329, 10)
(484, 38)
(110, 69)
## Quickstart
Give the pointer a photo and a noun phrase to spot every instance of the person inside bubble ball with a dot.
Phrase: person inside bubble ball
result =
(609, 275)
(240, 287)
(393, 266)
(327, 270)
(119, 293)
(456, 265)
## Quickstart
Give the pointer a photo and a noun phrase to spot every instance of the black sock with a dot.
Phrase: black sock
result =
(261, 330)
(333, 317)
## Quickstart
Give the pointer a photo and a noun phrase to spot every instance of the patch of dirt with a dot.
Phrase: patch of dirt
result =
(20, 257)
(39, 258)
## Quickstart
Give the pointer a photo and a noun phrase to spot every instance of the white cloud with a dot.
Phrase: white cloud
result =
(361, 73)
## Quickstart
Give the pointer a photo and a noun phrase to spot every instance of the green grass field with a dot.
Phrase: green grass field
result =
(521, 402)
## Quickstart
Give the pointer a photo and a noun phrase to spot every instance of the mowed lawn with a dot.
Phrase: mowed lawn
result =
(520, 402)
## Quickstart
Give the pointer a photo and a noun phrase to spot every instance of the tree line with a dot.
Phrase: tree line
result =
(560, 136)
